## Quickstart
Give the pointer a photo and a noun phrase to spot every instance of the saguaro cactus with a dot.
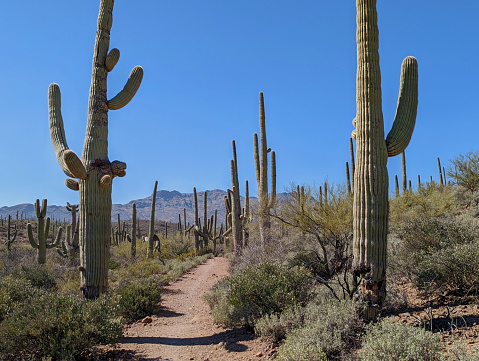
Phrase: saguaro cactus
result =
(265, 201)
(370, 211)
(132, 238)
(233, 206)
(151, 233)
(42, 233)
(10, 238)
(94, 170)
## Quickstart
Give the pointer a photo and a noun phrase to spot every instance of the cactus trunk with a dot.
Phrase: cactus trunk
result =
(370, 209)
(94, 171)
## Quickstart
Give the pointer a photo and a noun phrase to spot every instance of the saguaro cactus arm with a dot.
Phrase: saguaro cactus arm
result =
(31, 238)
(129, 91)
(57, 132)
(406, 111)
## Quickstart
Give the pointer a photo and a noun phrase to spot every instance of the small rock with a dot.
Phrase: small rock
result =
(146, 320)
(259, 354)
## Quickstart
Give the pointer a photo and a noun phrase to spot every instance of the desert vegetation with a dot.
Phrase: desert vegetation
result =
(331, 272)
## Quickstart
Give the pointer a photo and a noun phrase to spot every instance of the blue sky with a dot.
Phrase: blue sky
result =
(204, 64)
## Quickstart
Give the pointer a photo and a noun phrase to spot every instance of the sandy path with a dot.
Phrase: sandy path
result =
(184, 329)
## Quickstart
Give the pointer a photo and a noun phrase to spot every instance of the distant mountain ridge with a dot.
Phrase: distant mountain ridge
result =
(168, 205)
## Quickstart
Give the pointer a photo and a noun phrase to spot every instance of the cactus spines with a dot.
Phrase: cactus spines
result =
(265, 201)
(151, 232)
(94, 165)
(41, 243)
(370, 210)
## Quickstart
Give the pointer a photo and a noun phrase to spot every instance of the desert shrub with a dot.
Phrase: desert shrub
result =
(58, 327)
(459, 352)
(139, 298)
(15, 292)
(437, 253)
(276, 326)
(464, 170)
(429, 201)
(262, 289)
(221, 309)
(267, 288)
(38, 275)
(330, 329)
(397, 342)
(179, 266)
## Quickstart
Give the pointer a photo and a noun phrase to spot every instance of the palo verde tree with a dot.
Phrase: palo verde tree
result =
(94, 170)
(370, 207)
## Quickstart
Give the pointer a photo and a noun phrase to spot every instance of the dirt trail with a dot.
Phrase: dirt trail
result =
(184, 329)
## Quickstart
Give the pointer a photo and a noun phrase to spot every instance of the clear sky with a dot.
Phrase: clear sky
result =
(205, 61)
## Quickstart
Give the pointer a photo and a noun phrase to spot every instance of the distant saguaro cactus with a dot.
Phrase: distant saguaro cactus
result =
(94, 170)
(370, 210)
(151, 232)
(10, 238)
(233, 206)
(42, 233)
(265, 201)
(132, 237)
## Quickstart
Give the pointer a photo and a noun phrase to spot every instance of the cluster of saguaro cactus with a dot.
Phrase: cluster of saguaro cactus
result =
(265, 201)
(94, 170)
(151, 231)
(10, 238)
(119, 234)
(370, 211)
(184, 228)
(43, 230)
(208, 230)
(442, 173)
(69, 247)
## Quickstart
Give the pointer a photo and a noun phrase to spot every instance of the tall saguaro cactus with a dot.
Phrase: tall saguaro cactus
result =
(132, 238)
(94, 170)
(370, 211)
(233, 206)
(265, 201)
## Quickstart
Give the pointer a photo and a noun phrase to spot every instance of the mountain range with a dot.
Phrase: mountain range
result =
(168, 205)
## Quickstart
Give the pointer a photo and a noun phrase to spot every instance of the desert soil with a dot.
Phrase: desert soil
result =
(185, 330)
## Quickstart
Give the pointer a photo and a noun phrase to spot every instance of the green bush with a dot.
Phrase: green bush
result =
(266, 288)
(15, 292)
(58, 327)
(138, 299)
(217, 299)
(464, 170)
(276, 326)
(438, 253)
(259, 290)
(398, 342)
(38, 275)
(330, 329)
